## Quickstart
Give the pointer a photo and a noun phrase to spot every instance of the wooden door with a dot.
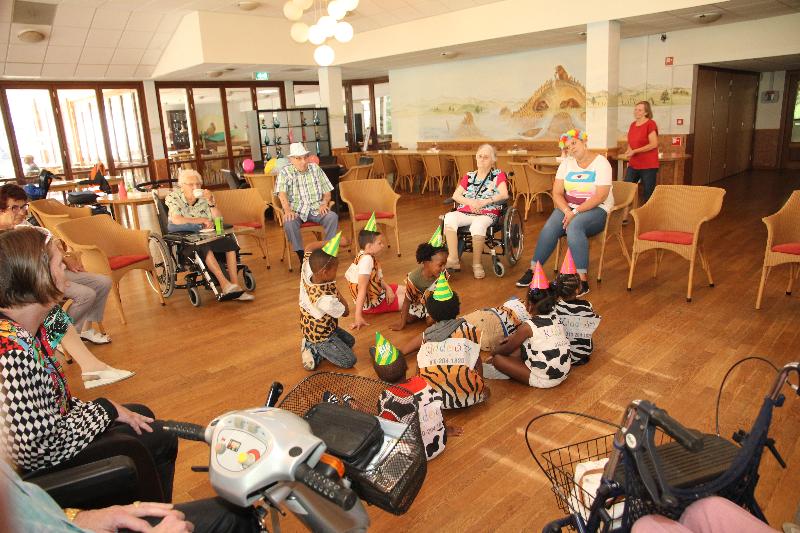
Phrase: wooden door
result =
(790, 152)
(703, 116)
(741, 122)
(719, 126)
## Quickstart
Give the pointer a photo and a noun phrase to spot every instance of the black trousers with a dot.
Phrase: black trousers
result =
(153, 454)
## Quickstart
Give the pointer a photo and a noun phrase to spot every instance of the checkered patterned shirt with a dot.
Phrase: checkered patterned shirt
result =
(43, 424)
(303, 189)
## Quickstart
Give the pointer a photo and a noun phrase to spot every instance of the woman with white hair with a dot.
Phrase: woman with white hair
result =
(192, 208)
(479, 195)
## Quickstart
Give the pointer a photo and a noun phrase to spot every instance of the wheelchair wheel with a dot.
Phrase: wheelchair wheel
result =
(164, 281)
(497, 267)
(512, 236)
(249, 280)
(194, 297)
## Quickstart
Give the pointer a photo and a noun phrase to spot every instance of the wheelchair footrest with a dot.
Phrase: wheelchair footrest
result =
(229, 296)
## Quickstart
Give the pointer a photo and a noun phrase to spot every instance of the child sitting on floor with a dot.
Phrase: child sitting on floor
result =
(420, 282)
(449, 351)
(370, 292)
(321, 305)
(577, 316)
(390, 366)
(538, 352)
(498, 323)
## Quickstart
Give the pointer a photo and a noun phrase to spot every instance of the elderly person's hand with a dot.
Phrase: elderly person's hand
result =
(206, 222)
(73, 263)
(568, 216)
(323, 209)
(209, 196)
(289, 215)
(130, 517)
(134, 420)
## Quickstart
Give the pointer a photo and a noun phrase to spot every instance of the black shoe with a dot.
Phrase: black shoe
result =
(584, 289)
(526, 279)
(300, 254)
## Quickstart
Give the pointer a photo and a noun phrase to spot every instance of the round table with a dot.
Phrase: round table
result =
(119, 205)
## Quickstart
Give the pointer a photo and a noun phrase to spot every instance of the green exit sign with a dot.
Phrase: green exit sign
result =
(261, 76)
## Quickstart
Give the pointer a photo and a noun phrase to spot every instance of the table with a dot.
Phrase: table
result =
(64, 186)
(670, 168)
(549, 163)
(120, 205)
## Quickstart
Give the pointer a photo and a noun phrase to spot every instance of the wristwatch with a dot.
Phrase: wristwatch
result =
(71, 513)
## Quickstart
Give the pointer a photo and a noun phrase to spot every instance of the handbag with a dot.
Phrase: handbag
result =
(352, 436)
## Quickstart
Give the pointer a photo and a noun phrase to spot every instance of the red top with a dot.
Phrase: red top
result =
(637, 137)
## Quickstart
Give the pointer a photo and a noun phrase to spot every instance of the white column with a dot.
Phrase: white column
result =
(602, 83)
(330, 94)
(288, 87)
(153, 119)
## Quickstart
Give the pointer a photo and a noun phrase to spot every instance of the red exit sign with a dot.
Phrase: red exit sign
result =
(677, 141)
(669, 61)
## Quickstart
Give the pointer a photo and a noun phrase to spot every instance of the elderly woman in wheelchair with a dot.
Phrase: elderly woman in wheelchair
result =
(192, 209)
(479, 197)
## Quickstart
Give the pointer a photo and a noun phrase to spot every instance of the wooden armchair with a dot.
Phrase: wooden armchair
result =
(50, 213)
(363, 197)
(530, 184)
(437, 169)
(108, 248)
(408, 168)
(671, 221)
(350, 159)
(244, 208)
(357, 172)
(783, 243)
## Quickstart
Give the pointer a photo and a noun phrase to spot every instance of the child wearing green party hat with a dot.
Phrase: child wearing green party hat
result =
(431, 257)
(448, 351)
(397, 402)
(371, 294)
(321, 306)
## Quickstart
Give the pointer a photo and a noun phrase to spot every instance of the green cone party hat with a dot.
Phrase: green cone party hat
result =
(436, 239)
(442, 292)
(372, 225)
(332, 246)
(385, 351)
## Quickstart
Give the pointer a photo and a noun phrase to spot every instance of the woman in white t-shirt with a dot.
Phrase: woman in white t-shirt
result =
(583, 198)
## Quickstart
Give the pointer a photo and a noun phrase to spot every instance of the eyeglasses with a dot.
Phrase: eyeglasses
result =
(16, 208)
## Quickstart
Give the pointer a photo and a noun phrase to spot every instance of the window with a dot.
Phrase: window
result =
(383, 109)
(124, 123)
(35, 127)
(175, 117)
(82, 131)
(6, 164)
(239, 102)
(304, 96)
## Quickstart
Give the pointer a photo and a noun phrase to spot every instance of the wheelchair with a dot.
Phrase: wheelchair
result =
(503, 238)
(179, 252)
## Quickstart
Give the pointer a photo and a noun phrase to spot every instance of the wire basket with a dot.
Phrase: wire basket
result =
(393, 480)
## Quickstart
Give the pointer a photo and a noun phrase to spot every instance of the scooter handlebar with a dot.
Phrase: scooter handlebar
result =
(330, 489)
(688, 438)
(185, 430)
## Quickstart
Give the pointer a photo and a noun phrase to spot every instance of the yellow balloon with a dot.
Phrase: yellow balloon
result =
(269, 165)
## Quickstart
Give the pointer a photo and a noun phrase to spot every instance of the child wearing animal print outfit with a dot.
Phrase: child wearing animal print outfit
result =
(537, 354)
(321, 306)
(390, 366)
(420, 282)
(371, 294)
(576, 315)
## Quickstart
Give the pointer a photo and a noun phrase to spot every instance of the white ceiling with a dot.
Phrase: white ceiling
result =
(764, 64)
(124, 39)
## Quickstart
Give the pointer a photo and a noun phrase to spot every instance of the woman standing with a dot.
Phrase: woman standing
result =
(643, 149)
(479, 195)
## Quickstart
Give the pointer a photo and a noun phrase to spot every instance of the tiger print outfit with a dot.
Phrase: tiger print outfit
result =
(416, 296)
(375, 291)
(320, 310)
(458, 385)
(497, 323)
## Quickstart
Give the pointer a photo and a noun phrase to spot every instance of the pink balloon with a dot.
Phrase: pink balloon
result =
(248, 165)
(313, 159)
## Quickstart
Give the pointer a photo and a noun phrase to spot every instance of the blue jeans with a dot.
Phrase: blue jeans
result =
(646, 175)
(583, 226)
(189, 226)
(329, 221)
(338, 349)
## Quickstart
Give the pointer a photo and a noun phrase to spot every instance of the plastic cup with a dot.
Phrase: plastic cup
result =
(218, 225)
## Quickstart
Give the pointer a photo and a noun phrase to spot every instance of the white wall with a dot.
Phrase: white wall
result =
(768, 115)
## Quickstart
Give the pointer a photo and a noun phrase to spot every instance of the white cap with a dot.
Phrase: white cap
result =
(297, 150)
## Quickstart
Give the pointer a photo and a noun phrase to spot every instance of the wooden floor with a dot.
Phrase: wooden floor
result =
(193, 364)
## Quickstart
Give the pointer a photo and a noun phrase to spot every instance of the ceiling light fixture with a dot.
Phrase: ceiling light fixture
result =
(329, 24)
(31, 36)
(214, 73)
(247, 5)
(708, 18)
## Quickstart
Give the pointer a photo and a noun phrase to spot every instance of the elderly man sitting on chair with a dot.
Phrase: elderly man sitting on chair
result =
(192, 208)
(305, 193)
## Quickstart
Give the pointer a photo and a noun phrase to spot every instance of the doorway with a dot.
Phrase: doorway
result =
(790, 152)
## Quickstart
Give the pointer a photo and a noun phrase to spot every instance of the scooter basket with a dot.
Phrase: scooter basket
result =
(393, 478)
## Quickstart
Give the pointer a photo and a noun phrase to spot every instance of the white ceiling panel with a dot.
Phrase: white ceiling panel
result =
(74, 15)
(120, 71)
(143, 72)
(23, 69)
(91, 71)
(144, 21)
(26, 53)
(100, 37)
(151, 57)
(59, 71)
(128, 5)
(5, 11)
(87, 3)
(127, 56)
(5, 27)
(159, 40)
(368, 8)
(67, 36)
(63, 54)
(110, 19)
(135, 39)
(96, 56)
(170, 21)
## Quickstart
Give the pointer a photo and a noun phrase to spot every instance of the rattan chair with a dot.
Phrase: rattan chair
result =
(408, 168)
(350, 159)
(464, 164)
(504, 163)
(363, 197)
(383, 166)
(244, 209)
(358, 172)
(783, 243)
(437, 169)
(108, 248)
(671, 221)
(50, 213)
(624, 194)
(530, 184)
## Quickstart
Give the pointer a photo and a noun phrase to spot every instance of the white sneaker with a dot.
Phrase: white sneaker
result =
(233, 287)
(95, 337)
(245, 297)
(98, 378)
(490, 372)
(309, 363)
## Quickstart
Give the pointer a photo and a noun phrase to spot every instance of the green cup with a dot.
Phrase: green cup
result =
(218, 225)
